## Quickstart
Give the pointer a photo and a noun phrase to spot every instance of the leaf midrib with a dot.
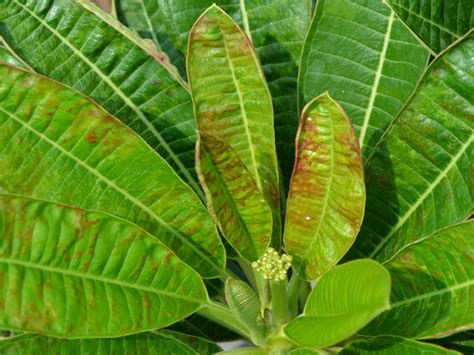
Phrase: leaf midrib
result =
(122, 95)
(103, 279)
(422, 197)
(110, 183)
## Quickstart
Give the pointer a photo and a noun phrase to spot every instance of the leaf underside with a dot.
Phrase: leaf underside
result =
(433, 284)
(73, 273)
(419, 180)
(367, 60)
(75, 153)
(325, 205)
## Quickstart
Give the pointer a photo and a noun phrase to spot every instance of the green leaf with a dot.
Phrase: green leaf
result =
(432, 288)
(305, 352)
(437, 23)
(277, 29)
(233, 198)
(198, 344)
(419, 179)
(83, 47)
(327, 195)
(392, 345)
(246, 306)
(245, 351)
(232, 101)
(147, 343)
(343, 301)
(57, 145)
(73, 273)
(367, 60)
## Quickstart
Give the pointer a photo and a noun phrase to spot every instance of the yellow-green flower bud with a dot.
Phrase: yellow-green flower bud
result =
(273, 266)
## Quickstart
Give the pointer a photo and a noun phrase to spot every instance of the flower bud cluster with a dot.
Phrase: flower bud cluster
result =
(273, 266)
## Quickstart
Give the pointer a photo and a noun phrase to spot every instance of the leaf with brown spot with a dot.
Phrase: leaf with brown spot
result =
(118, 289)
(327, 194)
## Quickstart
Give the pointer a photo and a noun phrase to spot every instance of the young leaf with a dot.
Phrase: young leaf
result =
(432, 286)
(343, 301)
(419, 179)
(83, 47)
(59, 146)
(234, 199)
(72, 273)
(367, 60)
(390, 345)
(147, 343)
(232, 101)
(245, 305)
(326, 200)
(436, 23)
(277, 29)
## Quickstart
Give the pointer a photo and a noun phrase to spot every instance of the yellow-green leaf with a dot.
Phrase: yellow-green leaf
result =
(327, 195)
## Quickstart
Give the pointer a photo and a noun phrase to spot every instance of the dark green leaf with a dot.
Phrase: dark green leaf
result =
(437, 23)
(343, 301)
(81, 46)
(73, 273)
(148, 343)
(327, 195)
(232, 101)
(58, 146)
(198, 344)
(432, 286)
(366, 59)
(392, 345)
(419, 180)
(233, 198)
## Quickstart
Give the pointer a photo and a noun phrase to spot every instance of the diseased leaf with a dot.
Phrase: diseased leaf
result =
(73, 152)
(277, 29)
(198, 344)
(68, 272)
(239, 207)
(232, 101)
(433, 284)
(326, 201)
(367, 60)
(87, 49)
(419, 179)
(437, 23)
(392, 345)
(343, 301)
(146, 343)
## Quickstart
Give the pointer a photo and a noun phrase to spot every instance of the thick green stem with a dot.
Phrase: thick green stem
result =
(222, 315)
(294, 287)
(280, 311)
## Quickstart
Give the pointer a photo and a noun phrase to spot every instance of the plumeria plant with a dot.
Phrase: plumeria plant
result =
(177, 174)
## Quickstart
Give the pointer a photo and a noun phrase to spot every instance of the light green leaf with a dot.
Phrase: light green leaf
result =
(198, 344)
(392, 345)
(437, 23)
(433, 284)
(327, 195)
(419, 180)
(244, 351)
(246, 306)
(305, 352)
(367, 60)
(57, 145)
(76, 43)
(233, 198)
(277, 29)
(7, 58)
(147, 343)
(343, 301)
(73, 273)
(232, 101)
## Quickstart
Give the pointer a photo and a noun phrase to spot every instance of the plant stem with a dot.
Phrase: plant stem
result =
(280, 311)
(220, 314)
(294, 287)
(248, 271)
(305, 290)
